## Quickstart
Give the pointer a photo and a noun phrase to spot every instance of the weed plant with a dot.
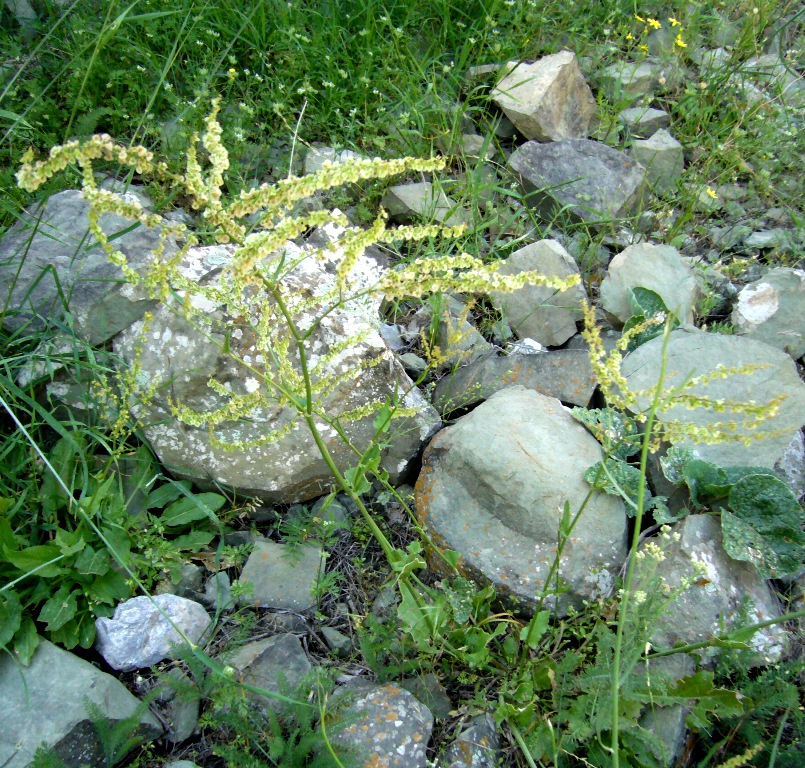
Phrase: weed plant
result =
(567, 691)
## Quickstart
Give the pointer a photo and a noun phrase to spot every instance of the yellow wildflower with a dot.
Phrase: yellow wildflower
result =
(643, 21)
(712, 193)
(679, 42)
(643, 48)
(653, 23)
(674, 22)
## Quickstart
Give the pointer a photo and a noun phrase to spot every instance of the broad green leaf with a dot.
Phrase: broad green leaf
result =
(356, 479)
(617, 478)
(199, 506)
(160, 497)
(459, 593)
(69, 542)
(60, 609)
(7, 537)
(64, 457)
(118, 543)
(452, 557)
(193, 541)
(86, 630)
(26, 641)
(92, 562)
(706, 700)
(68, 635)
(532, 632)
(405, 563)
(109, 588)
(734, 474)
(40, 559)
(764, 526)
(643, 301)
(91, 504)
(616, 431)
(5, 505)
(10, 616)
(674, 462)
(707, 482)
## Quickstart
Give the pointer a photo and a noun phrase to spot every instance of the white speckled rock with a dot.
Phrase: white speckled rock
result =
(138, 635)
(387, 726)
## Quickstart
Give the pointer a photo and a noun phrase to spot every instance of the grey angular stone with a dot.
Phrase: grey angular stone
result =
(318, 156)
(386, 725)
(43, 704)
(548, 100)
(565, 374)
(729, 590)
(730, 236)
(662, 157)
(710, 60)
(771, 310)
(538, 312)
(53, 243)
(470, 145)
(277, 664)
(493, 487)
(283, 577)
(414, 365)
(218, 592)
(659, 268)
(692, 352)
(791, 465)
(338, 641)
(642, 122)
(138, 634)
(458, 340)
(179, 357)
(779, 239)
(628, 81)
(477, 746)
(407, 202)
(594, 181)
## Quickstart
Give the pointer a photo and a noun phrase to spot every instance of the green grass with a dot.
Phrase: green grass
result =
(386, 79)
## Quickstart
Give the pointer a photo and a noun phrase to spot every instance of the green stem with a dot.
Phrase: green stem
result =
(627, 585)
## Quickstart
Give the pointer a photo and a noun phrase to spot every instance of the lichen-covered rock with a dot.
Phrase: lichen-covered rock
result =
(48, 255)
(493, 487)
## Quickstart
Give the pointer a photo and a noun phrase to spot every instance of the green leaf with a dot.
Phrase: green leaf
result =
(734, 474)
(40, 559)
(616, 431)
(109, 588)
(412, 618)
(643, 301)
(533, 631)
(5, 505)
(405, 563)
(60, 609)
(764, 526)
(65, 457)
(193, 541)
(160, 497)
(92, 562)
(198, 506)
(26, 641)
(707, 482)
(617, 478)
(459, 593)
(452, 557)
(8, 538)
(706, 699)
(674, 462)
(69, 542)
(91, 504)
(10, 616)
(68, 635)
(118, 542)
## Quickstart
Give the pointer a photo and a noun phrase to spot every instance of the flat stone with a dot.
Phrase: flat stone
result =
(538, 312)
(548, 100)
(642, 122)
(317, 157)
(663, 158)
(771, 310)
(565, 374)
(218, 592)
(48, 254)
(43, 704)
(691, 352)
(767, 239)
(659, 268)
(493, 486)
(282, 577)
(138, 635)
(387, 727)
(430, 692)
(407, 203)
(277, 664)
(727, 589)
(595, 182)
(338, 641)
(469, 145)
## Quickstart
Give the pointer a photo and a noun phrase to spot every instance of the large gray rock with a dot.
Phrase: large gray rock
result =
(43, 705)
(771, 310)
(593, 181)
(535, 311)
(180, 356)
(410, 202)
(628, 81)
(642, 122)
(663, 158)
(565, 374)
(493, 487)
(48, 254)
(728, 595)
(386, 727)
(139, 634)
(277, 664)
(477, 746)
(281, 576)
(692, 352)
(659, 268)
(548, 100)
